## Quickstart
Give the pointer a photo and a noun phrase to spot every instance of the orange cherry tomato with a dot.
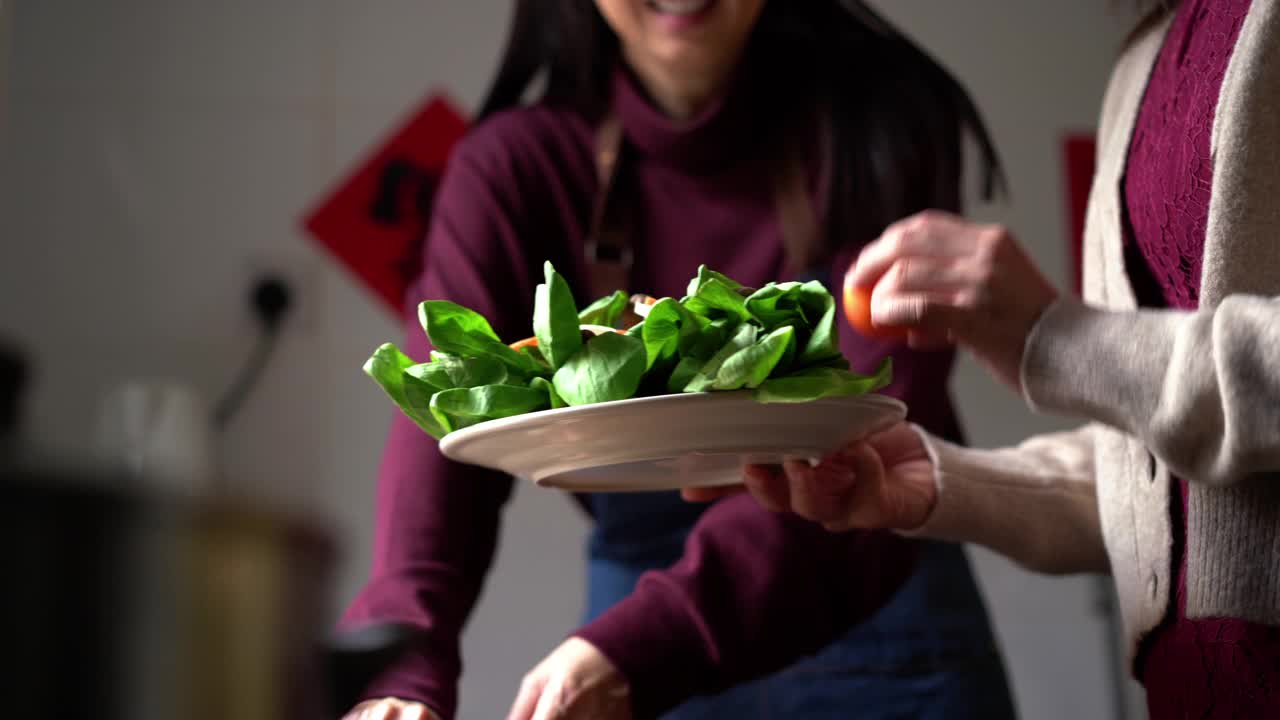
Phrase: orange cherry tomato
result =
(527, 342)
(857, 310)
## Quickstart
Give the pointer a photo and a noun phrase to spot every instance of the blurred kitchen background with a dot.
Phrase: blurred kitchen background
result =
(157, 158)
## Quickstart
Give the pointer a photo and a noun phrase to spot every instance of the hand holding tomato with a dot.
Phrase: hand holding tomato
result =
(945, 279)
(857, 310)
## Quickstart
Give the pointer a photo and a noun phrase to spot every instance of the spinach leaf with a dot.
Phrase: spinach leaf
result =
(776, 304)
(751, 365)
(713, 336)
(605, 311)
(706, 274)
(464, 407)
(808, 307)
(387, 367)
(668, 328)
(544, 385)
(715, 295)
(684, 373)
(418, 394)
(460, 372)
(819, 308)
(555, 319)
(432, 373)
(609, 367)
(458, 331)
(816, 383)
(742, 338)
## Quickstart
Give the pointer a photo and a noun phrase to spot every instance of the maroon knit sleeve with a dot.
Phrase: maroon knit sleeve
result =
(437, 520)
(753, 592)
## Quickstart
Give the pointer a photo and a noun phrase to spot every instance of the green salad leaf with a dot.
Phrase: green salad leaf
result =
(779, 342)
(668, 330)
(776, 304)
(750, 366)
(544, 385)
(458, 408)
(606, 311)
(449, 371)
(387, 367)
(555, 319)
(458, 331)
(744, 336)
(706, 274)
(819, 308)
(609, 367)
(717, 297)
(816, 383)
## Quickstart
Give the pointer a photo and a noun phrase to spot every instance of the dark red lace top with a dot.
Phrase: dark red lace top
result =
(1201, 667)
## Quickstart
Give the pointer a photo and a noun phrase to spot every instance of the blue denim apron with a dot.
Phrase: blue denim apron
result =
(928, 653)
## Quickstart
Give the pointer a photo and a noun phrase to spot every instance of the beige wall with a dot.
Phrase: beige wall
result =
(154, 152)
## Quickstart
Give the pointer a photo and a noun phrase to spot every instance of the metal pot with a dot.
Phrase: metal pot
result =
(131, 606)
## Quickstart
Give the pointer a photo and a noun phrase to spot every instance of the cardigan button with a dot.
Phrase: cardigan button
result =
(1154, 467)
(1153, 585)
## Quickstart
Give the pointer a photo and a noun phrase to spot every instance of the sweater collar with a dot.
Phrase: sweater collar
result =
(713, 139)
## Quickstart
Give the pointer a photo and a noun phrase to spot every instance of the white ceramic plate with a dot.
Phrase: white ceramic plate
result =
(666, 442)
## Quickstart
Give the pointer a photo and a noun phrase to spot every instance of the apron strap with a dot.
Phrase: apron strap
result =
(609, 255)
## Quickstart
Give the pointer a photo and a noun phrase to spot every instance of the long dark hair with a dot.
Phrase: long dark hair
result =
(895, 118)
(1150, 13)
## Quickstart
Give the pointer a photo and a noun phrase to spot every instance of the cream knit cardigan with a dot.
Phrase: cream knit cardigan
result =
(1192, 394)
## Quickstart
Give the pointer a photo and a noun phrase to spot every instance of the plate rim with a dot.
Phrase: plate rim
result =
(463, 436)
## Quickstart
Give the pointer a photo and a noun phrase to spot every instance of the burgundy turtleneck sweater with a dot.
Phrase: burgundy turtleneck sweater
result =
(754, 590)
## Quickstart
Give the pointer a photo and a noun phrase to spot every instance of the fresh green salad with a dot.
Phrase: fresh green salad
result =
(778, 341)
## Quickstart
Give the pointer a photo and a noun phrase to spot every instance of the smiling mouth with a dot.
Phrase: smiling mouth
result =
(679, 7)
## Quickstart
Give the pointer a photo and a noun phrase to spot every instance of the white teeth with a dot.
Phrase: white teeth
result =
(679, 7)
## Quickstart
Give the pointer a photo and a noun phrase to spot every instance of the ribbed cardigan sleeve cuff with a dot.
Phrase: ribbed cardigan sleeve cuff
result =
(966, 509)
(1034, 504)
